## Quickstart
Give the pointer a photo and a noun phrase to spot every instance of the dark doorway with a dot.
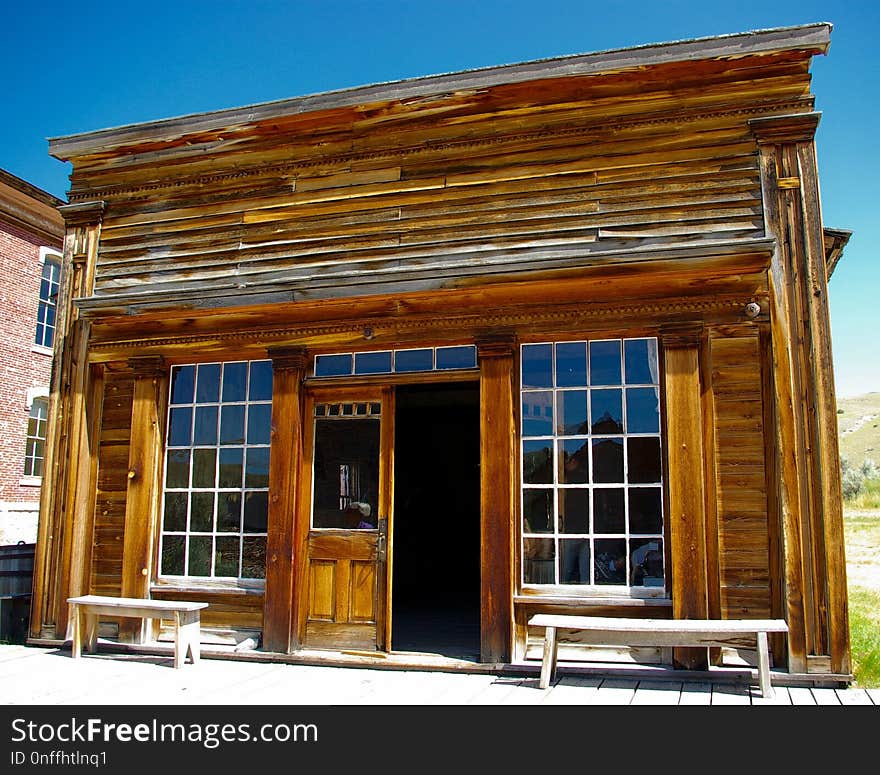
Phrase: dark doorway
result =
(436, 534)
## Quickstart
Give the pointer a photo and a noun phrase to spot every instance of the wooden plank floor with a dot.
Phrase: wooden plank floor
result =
(43, 676)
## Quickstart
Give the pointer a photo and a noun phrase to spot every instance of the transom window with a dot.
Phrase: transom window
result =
(45, 334)
(396, 361)
(36, 437)
(592, 479)
(216, 495)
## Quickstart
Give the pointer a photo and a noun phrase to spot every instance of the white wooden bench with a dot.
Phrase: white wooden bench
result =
(605, 631)
(84, 613)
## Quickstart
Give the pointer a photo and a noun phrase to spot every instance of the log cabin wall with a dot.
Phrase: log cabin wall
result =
(587, 198)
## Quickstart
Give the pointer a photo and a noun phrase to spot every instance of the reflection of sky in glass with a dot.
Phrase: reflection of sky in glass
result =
(605, 362)
(571, 364)
(642, 410)
(537, 365)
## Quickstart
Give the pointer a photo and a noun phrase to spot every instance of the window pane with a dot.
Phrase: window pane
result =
(256, 512)
(180, 427)
(645, 510)
(173, 548)
(199, 556)
(642, 410)
(539, 561)
(537, 462)
(332, 365)
(414, 360)
(574, 511)
(538, 511)
(537, 413)
(201, 516)
(574, 567)
(537, 365)
(204, 467)
(571, 364)
(177, 468)
(372, 363)
(232, 424)
(253, 561)
(234, 381)
(572, 412)
(226, 556)
(608, 460)
(464, 357)
(646, 561)
(608, 514)
(574, 461)
(257, 471)
(205, 431)
(643, 459)
(610, 565)
(228, 512)
(605, 362)
(606, 411)
(231, 467)
(208, 383)
(259, 424)
(174, 518)
(640, 356)
(260, 388)
(182, 384)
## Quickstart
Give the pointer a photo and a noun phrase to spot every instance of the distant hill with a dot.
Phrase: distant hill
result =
(858, 422)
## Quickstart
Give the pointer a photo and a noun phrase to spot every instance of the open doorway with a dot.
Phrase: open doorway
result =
(436, 534)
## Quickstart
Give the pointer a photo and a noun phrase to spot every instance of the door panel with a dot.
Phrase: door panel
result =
(347, 454)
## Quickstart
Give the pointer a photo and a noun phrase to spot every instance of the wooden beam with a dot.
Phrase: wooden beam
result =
(496, 356)
(144, 485)
(687, 507)
(288, 370)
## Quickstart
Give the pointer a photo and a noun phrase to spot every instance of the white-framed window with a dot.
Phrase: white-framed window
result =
(591, 465)
(46, 308)
(216, 489)
(35, 442)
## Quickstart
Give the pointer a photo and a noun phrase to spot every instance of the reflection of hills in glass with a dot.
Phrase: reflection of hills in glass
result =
(607, 424)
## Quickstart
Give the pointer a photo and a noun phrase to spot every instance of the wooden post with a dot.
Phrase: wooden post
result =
(497, 487)
(806, 422)
(60, 564)
(687, 506)
(288, 370)
(142, 496)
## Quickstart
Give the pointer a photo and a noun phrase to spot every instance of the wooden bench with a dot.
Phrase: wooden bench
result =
(604, 631)
(84, 613)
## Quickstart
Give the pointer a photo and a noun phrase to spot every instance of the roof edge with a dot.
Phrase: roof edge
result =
(811, 37)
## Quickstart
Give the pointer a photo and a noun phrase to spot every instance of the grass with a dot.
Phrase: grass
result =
(868, 498)
(862, 536)
(864, 442)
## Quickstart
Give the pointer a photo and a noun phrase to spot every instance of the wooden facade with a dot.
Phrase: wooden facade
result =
(663, 199)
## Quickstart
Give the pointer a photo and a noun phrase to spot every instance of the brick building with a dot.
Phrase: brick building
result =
(31, 234)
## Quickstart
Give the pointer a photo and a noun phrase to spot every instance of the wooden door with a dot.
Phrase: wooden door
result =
(345, 578)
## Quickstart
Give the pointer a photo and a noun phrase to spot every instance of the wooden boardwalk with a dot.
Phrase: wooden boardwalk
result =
(40, 676)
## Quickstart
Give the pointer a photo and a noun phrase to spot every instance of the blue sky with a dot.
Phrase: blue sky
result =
(69, 67)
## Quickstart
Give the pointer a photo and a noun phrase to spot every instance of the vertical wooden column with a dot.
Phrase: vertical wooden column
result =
(497, 493)
(687, 503)
(60, 563)
(808, 462)
(142, 496)
(288, 370)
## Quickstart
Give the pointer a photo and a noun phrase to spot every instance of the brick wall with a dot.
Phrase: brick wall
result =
(21, 368)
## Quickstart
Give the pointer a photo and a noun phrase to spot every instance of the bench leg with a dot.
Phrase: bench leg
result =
(764, 666)
(186, 637)
(548, 665)
(76, 645)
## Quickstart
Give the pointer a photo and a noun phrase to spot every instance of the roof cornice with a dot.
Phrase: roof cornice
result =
(811, 39)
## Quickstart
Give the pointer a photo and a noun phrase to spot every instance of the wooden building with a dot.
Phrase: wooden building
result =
(385, 368)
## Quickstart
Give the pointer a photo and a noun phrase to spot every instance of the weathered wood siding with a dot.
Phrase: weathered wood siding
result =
(740, 487)
(501, 180)
(113, 450)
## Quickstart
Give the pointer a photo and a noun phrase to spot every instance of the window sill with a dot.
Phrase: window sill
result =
(38, 348)
(179, 585)
(31, 481)
(553, 598)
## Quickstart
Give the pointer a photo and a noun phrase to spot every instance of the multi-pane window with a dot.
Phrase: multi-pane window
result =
(216, 495)
(592, 479)
(36, 437)
(396, 361)
(45, 335)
